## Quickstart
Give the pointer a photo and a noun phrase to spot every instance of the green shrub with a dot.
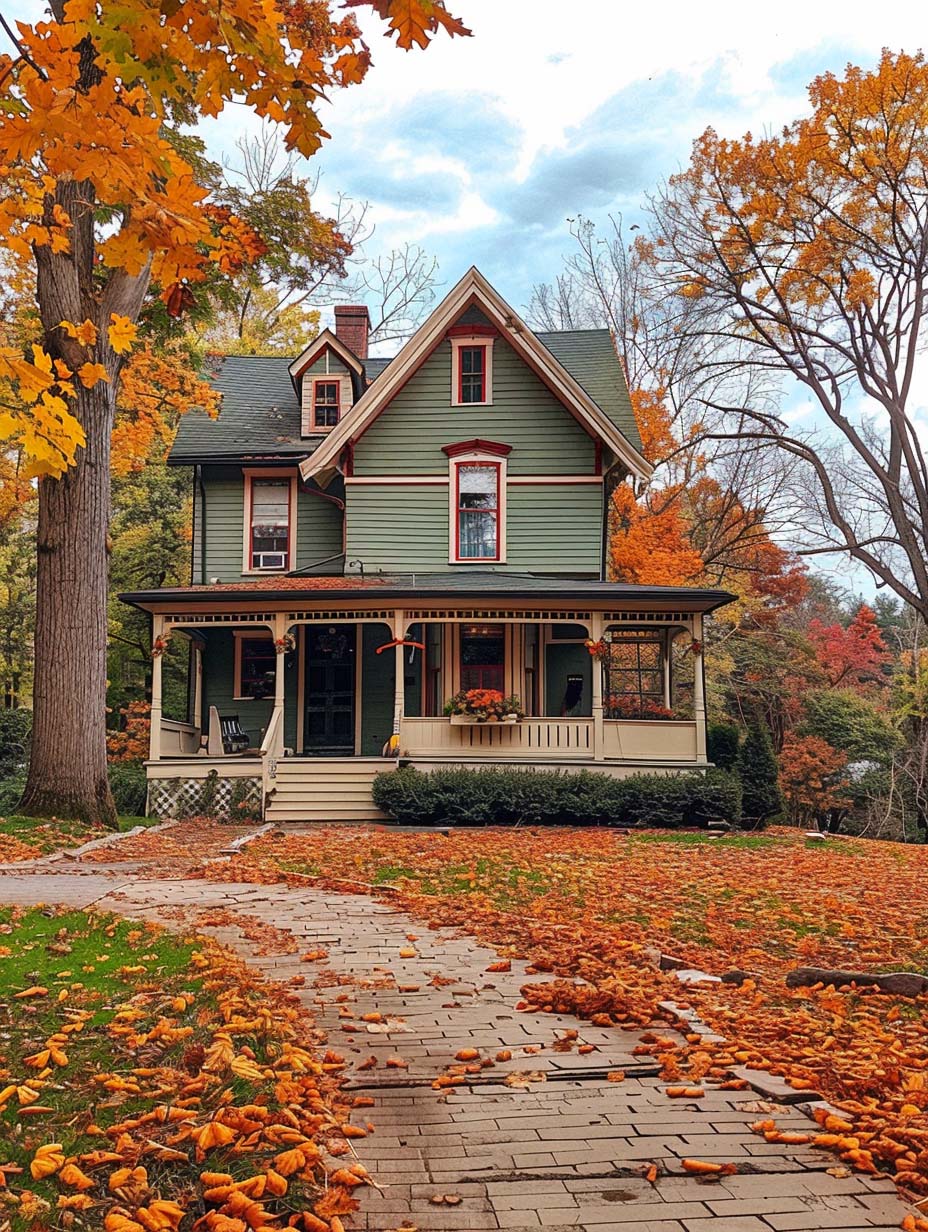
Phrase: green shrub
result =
(15, 731)
(761, 797)
(129, 787)
(11, 791)
(526, 797)
(722, 740)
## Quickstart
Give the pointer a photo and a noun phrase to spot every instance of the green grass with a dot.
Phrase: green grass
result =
(696, 838)
(46, 835)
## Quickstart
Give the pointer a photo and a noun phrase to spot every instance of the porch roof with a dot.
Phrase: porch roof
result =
(465, 586)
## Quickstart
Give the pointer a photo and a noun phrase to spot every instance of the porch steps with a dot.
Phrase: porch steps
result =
(326, 789)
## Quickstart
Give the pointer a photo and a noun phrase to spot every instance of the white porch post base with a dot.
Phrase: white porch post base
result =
(599, 729)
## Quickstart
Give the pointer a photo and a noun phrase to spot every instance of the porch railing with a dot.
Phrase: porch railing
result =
(561, 738)
(672, 740)
(657, 740)
(179, 739)
(271, 749)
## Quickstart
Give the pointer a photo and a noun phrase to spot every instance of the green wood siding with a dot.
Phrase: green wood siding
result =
(254, 713)
(408, 436)
(377, 677)
(318, 532)
(550, 528)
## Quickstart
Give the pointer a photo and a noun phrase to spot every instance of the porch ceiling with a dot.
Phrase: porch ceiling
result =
(454, 589)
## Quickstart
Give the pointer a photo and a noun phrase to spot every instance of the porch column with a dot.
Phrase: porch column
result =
(599, 728)
(399, 632)
(154, 735)
(699, 690)
(197, 687)
(666, 649)
(277, 717)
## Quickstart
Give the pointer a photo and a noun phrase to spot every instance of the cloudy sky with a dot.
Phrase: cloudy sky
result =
(480, 149)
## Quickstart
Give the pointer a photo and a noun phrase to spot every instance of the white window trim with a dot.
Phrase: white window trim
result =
(483, 340)
(239, 636)
(250, 473)
(475, 456)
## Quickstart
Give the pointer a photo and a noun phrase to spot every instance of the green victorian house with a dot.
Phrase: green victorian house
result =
(373, 538)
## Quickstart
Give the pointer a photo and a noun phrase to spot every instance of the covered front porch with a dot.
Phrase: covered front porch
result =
(614, 687)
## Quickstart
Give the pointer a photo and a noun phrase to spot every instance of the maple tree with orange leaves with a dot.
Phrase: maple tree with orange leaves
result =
(100, 198)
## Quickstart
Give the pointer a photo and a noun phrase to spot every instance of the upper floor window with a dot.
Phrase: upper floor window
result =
(325, 404)
(472, 377)
(269, 527)
(471, 371)
(478, 511)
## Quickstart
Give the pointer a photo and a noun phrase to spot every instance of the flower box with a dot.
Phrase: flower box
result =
(463, 720)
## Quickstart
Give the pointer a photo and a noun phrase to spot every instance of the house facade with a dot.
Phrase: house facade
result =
(373, 538)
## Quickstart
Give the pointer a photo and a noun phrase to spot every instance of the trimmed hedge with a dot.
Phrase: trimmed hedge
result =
(527, 797)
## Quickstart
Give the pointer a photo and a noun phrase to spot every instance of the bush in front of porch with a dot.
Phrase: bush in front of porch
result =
(526, 797)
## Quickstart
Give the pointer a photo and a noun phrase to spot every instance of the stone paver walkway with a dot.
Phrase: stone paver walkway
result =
(558, 1146)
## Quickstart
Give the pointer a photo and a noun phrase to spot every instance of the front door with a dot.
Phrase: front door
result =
(328, 729)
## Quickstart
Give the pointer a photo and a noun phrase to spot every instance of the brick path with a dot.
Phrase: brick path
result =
(566, 1152)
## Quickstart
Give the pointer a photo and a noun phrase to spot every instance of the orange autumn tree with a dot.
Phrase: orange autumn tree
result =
(689, 529)
(100, 198)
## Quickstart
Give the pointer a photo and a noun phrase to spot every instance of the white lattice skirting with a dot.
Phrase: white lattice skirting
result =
(213, 797)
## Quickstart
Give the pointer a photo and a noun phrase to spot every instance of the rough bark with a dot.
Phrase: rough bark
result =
(67, 766)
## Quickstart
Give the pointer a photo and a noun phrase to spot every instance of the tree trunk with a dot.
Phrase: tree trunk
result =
(67, 768)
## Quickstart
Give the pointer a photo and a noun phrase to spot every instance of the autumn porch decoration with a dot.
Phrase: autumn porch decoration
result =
(483, 706)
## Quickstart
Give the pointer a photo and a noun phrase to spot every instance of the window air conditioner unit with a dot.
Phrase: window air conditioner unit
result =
(271, 560)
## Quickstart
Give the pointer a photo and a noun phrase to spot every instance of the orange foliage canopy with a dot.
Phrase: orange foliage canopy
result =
(691, 530)
(855, 656)
(84, 107)
(811, 779)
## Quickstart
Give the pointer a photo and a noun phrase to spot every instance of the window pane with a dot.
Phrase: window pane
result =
(258, 667)
(477, 536)
(473, 368)
(270, 523)
(483, 655)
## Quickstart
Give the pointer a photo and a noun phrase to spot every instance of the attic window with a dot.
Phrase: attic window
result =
(325, 404)
(471, 371)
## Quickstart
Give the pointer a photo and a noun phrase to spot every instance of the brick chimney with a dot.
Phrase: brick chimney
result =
(352, 326)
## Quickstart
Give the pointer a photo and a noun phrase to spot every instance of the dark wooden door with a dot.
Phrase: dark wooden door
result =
(328, 728)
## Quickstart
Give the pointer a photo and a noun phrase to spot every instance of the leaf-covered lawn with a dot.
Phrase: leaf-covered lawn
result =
(26, 838)
(597, 905)
(149, 1082)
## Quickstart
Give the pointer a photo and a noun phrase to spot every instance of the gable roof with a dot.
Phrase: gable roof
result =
(473, 289)
(260, 417)
(326, 339)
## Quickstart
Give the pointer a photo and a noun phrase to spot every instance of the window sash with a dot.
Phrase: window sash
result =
(472, 374)
(477, 531)
(270, 521)
(325, 404)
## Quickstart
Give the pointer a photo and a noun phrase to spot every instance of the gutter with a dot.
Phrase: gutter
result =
(704, 601)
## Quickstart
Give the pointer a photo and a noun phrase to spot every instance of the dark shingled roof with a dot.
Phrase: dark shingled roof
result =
(260, 415)
(478, 585)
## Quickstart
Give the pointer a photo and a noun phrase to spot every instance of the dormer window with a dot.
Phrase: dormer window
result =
(325, 405)
(471, 371)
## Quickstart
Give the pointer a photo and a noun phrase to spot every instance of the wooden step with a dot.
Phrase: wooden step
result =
(321, 789)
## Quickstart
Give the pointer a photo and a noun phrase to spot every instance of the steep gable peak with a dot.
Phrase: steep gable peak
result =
(473, 302)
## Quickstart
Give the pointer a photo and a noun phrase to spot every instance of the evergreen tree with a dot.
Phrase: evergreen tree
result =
(757, 769)
(722, 741)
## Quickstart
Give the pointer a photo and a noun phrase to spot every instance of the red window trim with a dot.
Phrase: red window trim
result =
(327, 380)
(458, 467)
(477, 445)
(472, 331)
(476, 346)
